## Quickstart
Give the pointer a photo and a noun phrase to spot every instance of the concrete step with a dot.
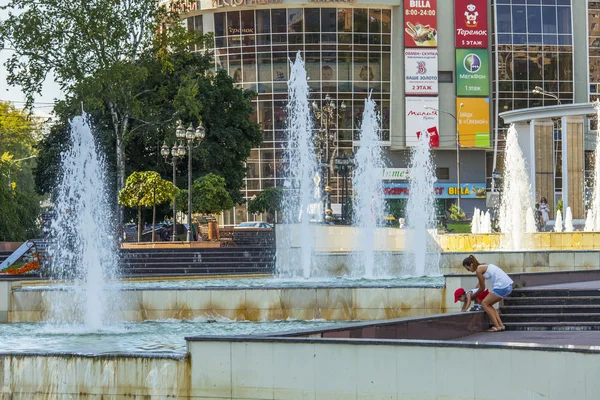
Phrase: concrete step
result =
(557, 326)
(552, 300)
(551, 309)
(544, 318)
(555, 293)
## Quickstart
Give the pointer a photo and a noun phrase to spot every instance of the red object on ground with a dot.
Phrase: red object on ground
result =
(481, 295)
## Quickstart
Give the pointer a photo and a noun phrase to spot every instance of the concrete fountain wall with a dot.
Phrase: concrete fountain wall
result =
(264, 304)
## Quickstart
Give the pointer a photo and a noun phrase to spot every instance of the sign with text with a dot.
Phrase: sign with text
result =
(420, 23)
(474, 121)
(421, 120)
(441, 190)
(472, 72)
(394, 174)
(421, 72)
(471, 24)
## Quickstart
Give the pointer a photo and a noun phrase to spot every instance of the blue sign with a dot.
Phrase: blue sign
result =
(441, 190)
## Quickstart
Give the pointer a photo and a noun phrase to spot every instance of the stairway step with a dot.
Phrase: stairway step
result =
(552, 309)
(552, 300)
(554, 326)
(554, 292)
(530, 318)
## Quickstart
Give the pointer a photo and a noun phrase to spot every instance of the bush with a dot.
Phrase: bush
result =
(456, 214)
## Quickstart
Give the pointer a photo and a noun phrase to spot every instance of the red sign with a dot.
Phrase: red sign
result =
(420, 23)
(470, 18)
(434, 137)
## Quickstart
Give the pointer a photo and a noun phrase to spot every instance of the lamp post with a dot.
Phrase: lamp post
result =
(457, 147)
(328, 115)
(539, 90)
(176, 153)
(190, 134)
(343, 165)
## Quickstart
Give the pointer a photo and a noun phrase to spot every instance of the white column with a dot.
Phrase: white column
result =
(565, 164)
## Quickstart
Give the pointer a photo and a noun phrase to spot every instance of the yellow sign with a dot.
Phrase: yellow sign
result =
(473, 121)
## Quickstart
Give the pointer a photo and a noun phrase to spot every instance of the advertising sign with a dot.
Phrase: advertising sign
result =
(421, 72)
(472, 72)
(394, 174)
(441, 190)
(420, 23)
(470, 22)
(422, 121)
(474, 121)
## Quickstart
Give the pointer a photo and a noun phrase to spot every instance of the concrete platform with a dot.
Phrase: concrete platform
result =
(559, 338)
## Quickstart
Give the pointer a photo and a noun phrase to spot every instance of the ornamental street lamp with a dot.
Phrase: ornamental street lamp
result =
(457, 146)
(177, 152)
(190, 134)
(539, 90)
(327, 143)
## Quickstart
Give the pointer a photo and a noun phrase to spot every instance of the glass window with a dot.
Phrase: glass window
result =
(386, 21)
(519, 20)
(295, 23)
(360, 20)
(190, 24)
(374, 21)
(345, 20)
(549, 19)
(312, 20)
(263, 21)
(220, 24)
(565, 66)
(279, 21)
(233, 23)
(564, 19)
(504, 19)
(534, 19)
(328, 20)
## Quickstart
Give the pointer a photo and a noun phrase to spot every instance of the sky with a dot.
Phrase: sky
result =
(50, 91)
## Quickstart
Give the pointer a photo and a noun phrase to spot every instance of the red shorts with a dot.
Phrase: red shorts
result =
(481, 295)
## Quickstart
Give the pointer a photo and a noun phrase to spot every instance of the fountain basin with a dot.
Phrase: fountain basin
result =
(531, 241)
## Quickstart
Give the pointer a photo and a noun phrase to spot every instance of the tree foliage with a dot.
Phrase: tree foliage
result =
(146, 189)
(269, 200)
(209, 195)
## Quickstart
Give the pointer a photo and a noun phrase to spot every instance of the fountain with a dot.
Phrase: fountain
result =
(516, 200)
(369, 205)
(592, 221)
(558, 223)
(530, 223)
(569, 220)
(301, 173)
(81, 247)
(476, 222)
(420, 210)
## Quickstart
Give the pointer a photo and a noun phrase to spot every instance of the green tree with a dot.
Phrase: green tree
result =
(209, 195)
(96, 51)
(146, 189)
(269, 201)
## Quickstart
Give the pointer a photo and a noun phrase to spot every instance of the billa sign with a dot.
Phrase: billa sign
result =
(474, 121)
(472, 72)
(420, 23)
(421, 72)
(421, 120)
(471, 24)
(440, 190)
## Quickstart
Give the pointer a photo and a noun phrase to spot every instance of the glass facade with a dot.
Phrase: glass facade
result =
(594, 48)
(347, 53)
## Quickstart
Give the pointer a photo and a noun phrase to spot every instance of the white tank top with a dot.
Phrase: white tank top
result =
(500, 279)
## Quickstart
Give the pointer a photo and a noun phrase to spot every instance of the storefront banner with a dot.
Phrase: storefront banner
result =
(422, 121)
(474, 121)
(472, 72)
(394, 174)
(471, 24)
(420, 23)
(441, 190)
(421, 72)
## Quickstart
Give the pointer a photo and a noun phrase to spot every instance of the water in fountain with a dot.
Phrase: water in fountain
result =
(592, 222)
(531, 226)
(300, 171)
(516, 190)
(486, 223)
(558, 223)
(420, 210)
(80, 244)
(476, 222)
(569, 220)
(369, 205)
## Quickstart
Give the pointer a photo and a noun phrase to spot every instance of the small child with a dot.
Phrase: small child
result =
(466, 297)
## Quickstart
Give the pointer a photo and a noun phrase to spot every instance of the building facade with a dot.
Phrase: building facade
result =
(430, 65)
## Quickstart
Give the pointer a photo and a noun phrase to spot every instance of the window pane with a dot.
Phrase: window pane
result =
(345, 20)
(564, 19)
(519, 20)
(263, 21)
(549, 19)
(220, 24)
(328, 20)
(374, 21)
(313, 18)
(233, 23)
(534, 19)
(295, 20)
(504, 20)
(360, 20)
(279, 21)
(386, 21)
